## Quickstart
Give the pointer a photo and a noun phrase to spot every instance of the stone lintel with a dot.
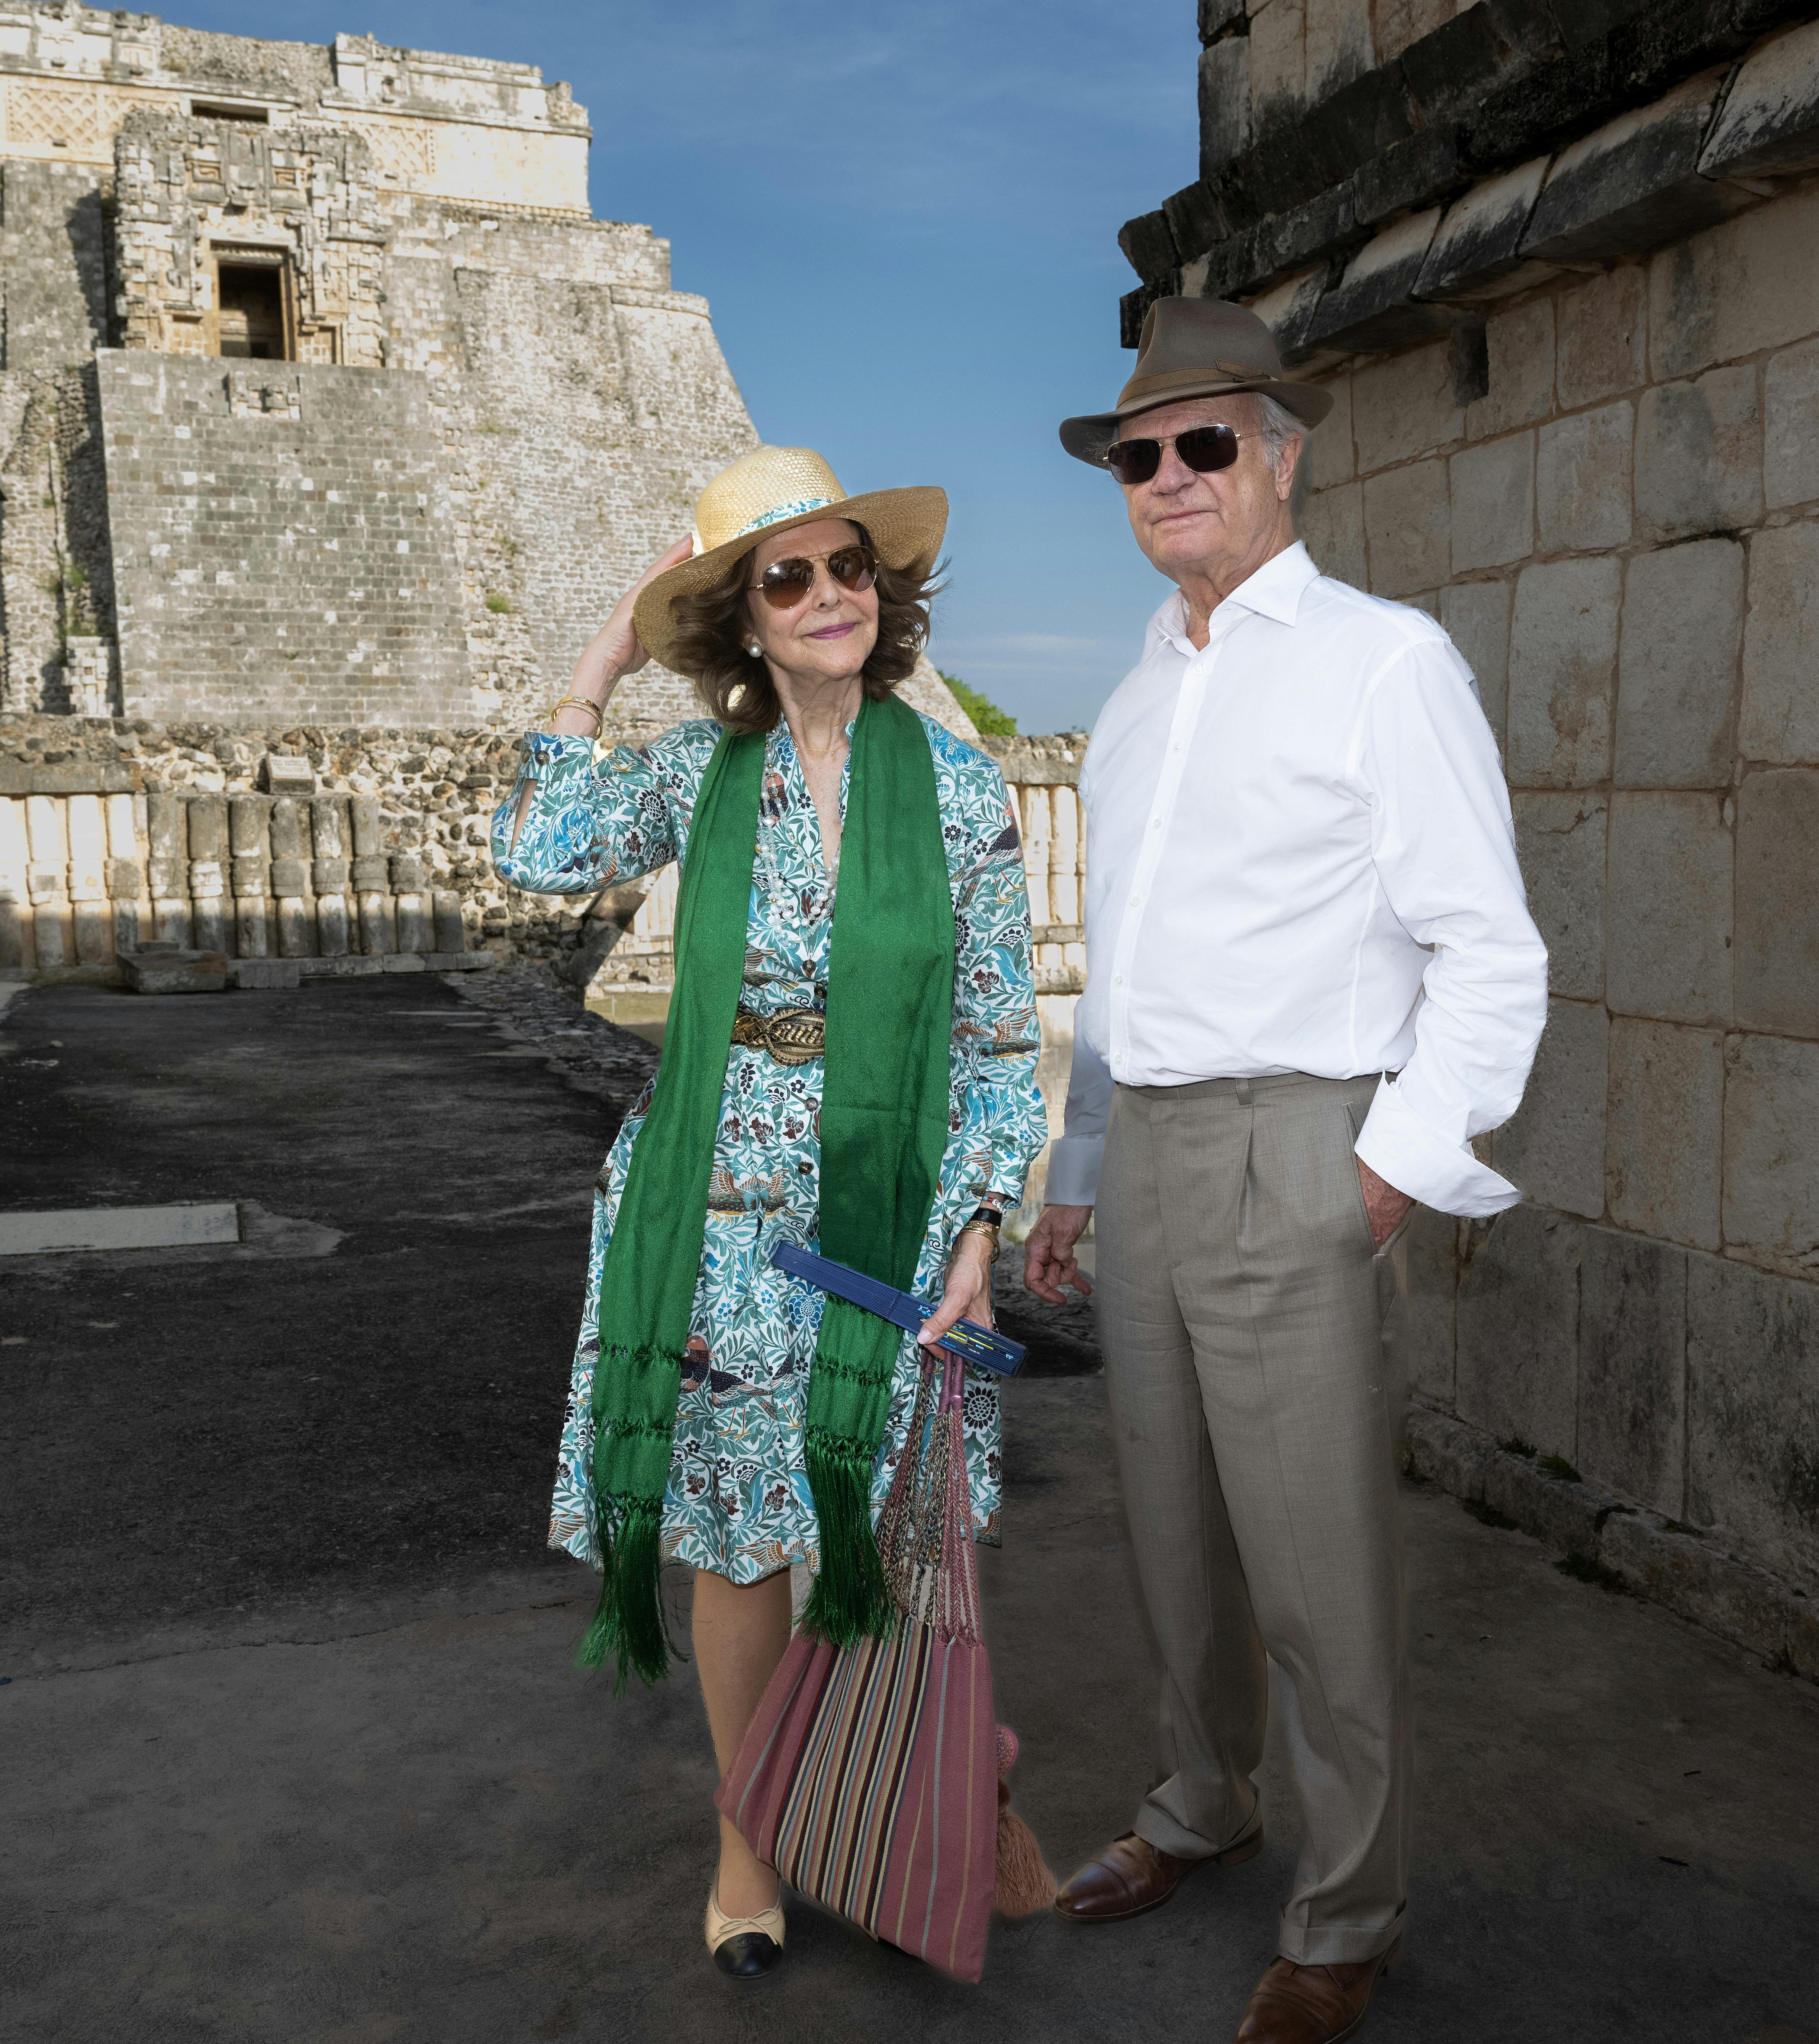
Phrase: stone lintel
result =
(1769, 123)
(1479, 243)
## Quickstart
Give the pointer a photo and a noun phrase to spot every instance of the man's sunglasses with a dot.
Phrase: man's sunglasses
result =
(1202, 449)
(785, 583)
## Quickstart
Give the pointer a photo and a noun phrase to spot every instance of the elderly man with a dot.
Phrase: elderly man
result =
(1313, 978)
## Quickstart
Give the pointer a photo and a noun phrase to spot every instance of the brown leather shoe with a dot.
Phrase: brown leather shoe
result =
(1294, 2005)
(1131, 1876)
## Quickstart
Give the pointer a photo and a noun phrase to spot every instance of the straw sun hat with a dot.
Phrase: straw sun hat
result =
(768, 491)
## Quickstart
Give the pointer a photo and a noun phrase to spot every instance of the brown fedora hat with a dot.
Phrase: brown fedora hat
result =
(1196, 347)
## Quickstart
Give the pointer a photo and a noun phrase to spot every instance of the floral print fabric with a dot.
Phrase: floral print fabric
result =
(738, 1500)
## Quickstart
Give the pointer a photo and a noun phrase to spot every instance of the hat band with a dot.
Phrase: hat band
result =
(1174, 379)
(792, 510)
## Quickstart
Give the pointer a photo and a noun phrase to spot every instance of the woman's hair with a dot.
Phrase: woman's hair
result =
(713, 628)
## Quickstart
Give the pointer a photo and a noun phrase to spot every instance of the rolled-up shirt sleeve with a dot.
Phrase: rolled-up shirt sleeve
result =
(588, 824)
(1443, 847)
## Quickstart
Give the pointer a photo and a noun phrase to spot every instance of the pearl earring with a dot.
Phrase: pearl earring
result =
(757, 652)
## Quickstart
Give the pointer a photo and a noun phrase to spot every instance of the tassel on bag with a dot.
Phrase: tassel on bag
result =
(1023, 1883)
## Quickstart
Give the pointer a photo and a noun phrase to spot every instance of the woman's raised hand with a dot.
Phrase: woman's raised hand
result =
(615, 649)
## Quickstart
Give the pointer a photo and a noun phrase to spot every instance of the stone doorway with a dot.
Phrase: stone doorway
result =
(252, 308)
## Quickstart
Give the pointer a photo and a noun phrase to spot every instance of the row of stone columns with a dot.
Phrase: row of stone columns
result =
(252, 876)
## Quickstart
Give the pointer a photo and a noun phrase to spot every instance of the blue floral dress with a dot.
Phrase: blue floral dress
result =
(738, 1500)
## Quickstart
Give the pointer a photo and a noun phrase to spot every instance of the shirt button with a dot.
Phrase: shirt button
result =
(1136, 900)
(1155, 823)
(1118, 979)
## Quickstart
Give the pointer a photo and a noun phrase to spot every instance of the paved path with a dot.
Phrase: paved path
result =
(293, 1750)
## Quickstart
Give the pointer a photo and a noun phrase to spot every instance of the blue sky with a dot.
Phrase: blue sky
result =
(905, 218)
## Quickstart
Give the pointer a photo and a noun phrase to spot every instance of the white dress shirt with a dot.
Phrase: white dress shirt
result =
(1300, 859)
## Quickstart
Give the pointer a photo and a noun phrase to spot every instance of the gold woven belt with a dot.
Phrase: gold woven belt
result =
(795, 1036)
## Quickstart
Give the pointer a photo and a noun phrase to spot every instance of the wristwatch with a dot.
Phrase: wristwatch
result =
(986, 1221)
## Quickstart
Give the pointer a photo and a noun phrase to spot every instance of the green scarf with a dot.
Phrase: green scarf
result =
(883, 1129)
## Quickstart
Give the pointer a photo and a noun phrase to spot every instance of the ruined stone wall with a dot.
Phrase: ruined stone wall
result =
(282, 542)
(1557, 268)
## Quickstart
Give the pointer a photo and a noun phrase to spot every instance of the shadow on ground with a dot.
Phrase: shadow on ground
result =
(294, 1749)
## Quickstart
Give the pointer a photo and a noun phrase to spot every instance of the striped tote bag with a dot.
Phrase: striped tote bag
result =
(869, 1776)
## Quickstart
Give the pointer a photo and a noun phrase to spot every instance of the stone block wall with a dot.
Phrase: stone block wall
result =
(1620, 529)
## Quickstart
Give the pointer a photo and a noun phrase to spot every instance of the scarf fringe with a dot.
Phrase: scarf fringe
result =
(628, 1622)
(850, 1600)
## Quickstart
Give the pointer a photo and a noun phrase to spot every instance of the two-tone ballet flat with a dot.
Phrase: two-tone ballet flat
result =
(746, 1948)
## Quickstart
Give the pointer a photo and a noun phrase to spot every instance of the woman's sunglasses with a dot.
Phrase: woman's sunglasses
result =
(785, 583)
(1202, 449)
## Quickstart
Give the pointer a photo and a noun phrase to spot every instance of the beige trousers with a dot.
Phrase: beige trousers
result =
(1253, 1419)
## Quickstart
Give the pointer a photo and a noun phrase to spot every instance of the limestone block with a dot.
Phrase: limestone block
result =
(1329, 450)
(1563, 663)
(1478, 243)
(264, 973)
(378, 924)
(174, 971)
(1601, 327)
(1632, 1368)
(1699, 454)
(1338, 44)
(1519, 370)
(332, 926)
(1771, 1187)
(1778, 721)
(369, 838)
(1676, 671)
(1582, 480)
(1333, 526)
(1427, 1263)
(329, 831)
(125, 879)
(289, 876)
(1493, 488)
(286, 774)
(1406, 521)
(251, 878)
(1669, 931)
(1560, 842)
(1277, 65)
(1664, 1137)
(1403, 407)
(1752, 1413)
(1370, 307)
(1777, 954)
(208, 829)
(451, 933)
(1733, 290)
(1634, 183)
(1791, 427)
(1553, 1145)
(1518, 1331)
(209, 923)
(296, 920)
(414, 930)
(371, 873)
(1769, 123)
(1225, 93)
(1477, 615)
(249, 818)
(168, 827)
(403, 961)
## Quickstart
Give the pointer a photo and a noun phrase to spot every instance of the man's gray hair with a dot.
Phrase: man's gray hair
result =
(1277, 425)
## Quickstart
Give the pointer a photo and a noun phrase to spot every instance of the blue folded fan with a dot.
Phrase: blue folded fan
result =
(970, 1341)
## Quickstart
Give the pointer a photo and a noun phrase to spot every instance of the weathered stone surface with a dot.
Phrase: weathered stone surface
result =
(1493, 488)
(173, 971)
(1288, 311)
(1633, 184)
(1149, 246)
(1403, 407)
(1193, 220)
(1778, 721)
(1748, 285)
(1582, 481)
(1697, 1580)
(1446, 1452)
(1427, 1260)
(1518, 1331)
(1771, 1187)
(1519, 366)
(1664, 1134)
(263, 974)
(1560, 842)
(1753, 1414)
(1553, 1145)
(1370, 307)
(1333, 526)
(1601, 326)
(1769, 120)
(1406, 521)
(1278, 68)
(1676, 671)
(1791, 427)
(1339, 49)
(287, 775)
(1329, 449)
(1477, 615)
(1478, 243)
(1670, 909)
(1699, 454)
(1632, 1368)
(1563, 663)
(1777, 970)
(1408, 174)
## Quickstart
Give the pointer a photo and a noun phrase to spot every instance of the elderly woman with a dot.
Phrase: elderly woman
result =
(849, 1065)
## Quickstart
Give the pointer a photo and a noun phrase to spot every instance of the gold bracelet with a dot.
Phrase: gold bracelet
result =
(578, 702)
(986, 1228)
